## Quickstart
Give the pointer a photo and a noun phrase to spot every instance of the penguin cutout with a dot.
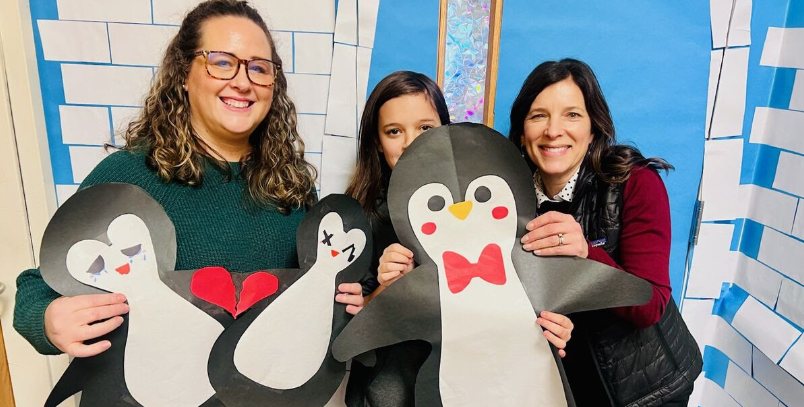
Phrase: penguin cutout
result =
(116, 238)
(115, 215)
(459, 198)
(279, 354)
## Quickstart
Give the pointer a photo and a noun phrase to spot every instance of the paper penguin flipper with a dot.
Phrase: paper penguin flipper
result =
(571, 284)
(70, 383)
(407, 310)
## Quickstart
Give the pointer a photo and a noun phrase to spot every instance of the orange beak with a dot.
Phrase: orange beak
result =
(461, 209)
(333, 253)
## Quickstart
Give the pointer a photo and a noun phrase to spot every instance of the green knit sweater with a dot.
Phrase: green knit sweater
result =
(213, 228)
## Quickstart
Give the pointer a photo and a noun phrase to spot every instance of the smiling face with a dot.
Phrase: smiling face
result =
(401, 120)
(226, 112)
(557, 131)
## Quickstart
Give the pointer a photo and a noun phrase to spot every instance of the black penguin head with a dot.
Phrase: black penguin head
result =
(98, 218)
(458, 160)
(336, 231)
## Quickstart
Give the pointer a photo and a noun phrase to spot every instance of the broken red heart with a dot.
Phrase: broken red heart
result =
(214, 285)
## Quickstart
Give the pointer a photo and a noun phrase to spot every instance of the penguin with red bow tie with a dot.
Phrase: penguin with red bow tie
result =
(459, 198)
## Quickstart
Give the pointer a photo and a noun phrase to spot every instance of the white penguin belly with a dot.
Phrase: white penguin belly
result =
(167, 351)
(493, 351)
(286, 344)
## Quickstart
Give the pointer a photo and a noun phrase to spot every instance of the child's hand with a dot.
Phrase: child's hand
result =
(396, 261)
(350, 294)
(557, 329)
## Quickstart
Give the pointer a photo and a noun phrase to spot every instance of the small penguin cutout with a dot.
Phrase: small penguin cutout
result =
(476, 293)
(279, 353)
(116, 238)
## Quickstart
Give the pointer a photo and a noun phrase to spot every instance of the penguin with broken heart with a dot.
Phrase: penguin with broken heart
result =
(159, 354)
(476, 294)
(279, 353)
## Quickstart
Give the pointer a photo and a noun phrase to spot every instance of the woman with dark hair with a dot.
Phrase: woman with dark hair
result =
(216, 145)
(605, 202)
(400, 108)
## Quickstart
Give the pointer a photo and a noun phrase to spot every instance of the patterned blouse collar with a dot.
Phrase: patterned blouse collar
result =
(565, 195)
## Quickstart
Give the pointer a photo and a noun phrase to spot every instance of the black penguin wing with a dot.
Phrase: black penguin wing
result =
(409, 309)
(572, 284)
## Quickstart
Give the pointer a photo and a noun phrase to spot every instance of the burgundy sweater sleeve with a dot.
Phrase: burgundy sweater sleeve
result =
(644, 244)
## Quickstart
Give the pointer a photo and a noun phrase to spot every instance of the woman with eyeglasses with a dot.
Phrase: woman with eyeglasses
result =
(216, 145)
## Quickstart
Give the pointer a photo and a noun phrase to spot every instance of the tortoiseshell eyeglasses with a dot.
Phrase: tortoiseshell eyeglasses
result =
(225, 66)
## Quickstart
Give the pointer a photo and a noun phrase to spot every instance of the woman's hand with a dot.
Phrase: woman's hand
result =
(555, 234)
(69, 321)
(557, 329)
(395, 262)
(350, 294)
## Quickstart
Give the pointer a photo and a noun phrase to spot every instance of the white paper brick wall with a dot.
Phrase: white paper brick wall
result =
(284, 47)
(315, 159)
(64, 192)
(782, 253)
(783, 386)
(789, 171)
(77, 41)
(298, 15)
(779, 128)
(139, 44)
(798, 224)
(105, 85)
(172, 11)
(783, 48)
(86, 125)
(768, 207)
(791, 302)
(309, 92)
(129, 11)
(311, 130)
(313, 53)
(84, 159)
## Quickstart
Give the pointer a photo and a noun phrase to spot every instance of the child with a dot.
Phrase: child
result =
(400, 108)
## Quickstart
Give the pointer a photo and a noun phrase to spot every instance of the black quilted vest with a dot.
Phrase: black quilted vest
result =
(638, 367)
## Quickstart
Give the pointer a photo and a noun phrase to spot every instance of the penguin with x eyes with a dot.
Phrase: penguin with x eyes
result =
(172, 346)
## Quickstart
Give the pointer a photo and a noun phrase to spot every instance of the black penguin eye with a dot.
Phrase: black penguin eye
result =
(97, 266)
(132, 251)
(351, 249)
(436, 203)
(327, 238)
(482, 194)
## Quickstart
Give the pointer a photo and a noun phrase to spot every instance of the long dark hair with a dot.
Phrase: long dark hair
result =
(275, 169)
(372, 174)
(611, 162)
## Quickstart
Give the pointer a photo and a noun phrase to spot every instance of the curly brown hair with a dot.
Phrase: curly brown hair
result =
(275, 169)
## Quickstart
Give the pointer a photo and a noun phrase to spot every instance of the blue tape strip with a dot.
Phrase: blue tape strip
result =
(751, 237)
(731, 299)
(716, 365)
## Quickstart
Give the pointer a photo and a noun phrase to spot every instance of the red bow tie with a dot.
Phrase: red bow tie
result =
(460, 271)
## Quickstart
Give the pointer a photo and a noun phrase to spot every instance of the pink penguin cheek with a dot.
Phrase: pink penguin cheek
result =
(429, 228)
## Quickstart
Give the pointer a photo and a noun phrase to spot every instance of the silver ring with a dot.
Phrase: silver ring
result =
(561, 239)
